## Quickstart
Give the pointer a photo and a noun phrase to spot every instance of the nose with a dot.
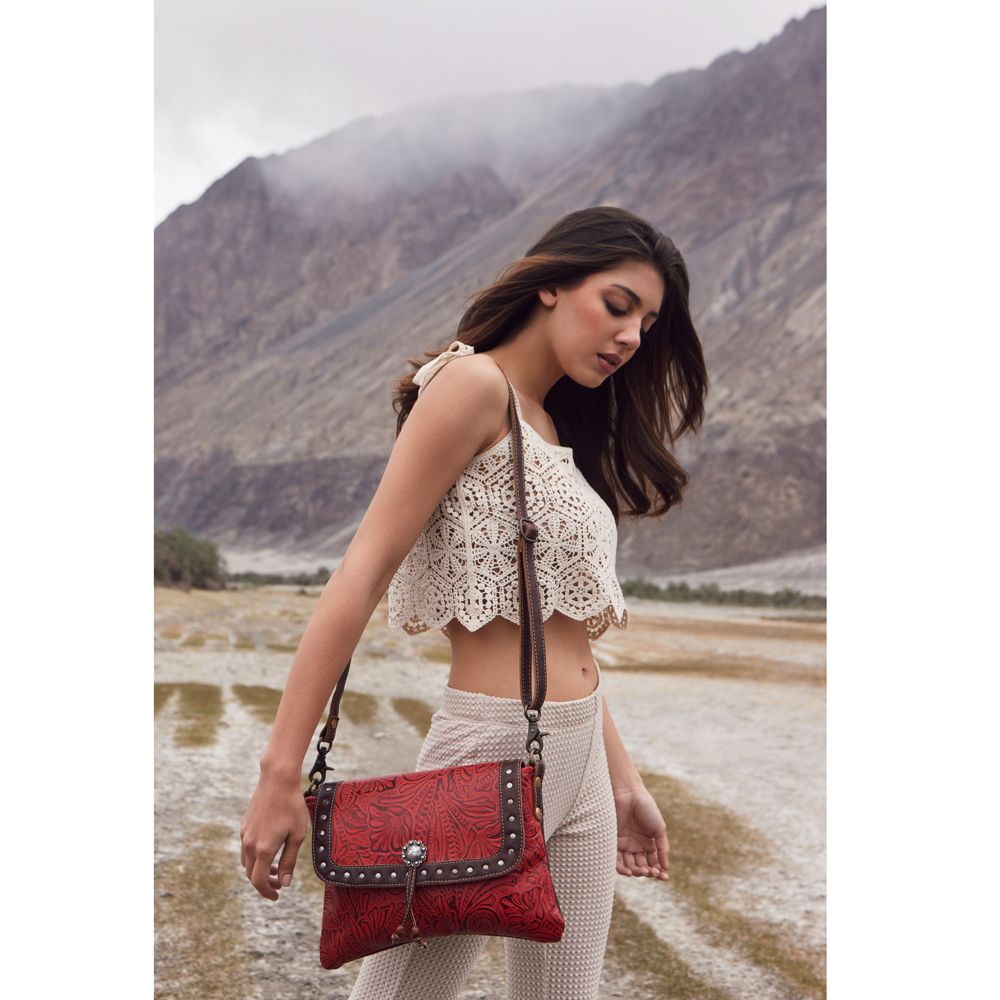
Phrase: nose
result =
(630, 337)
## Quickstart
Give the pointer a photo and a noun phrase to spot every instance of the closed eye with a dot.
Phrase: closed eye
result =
(621, 312)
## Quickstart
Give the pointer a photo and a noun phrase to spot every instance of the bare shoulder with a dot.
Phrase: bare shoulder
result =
(474, 386)
(476, 370)
(451, 420)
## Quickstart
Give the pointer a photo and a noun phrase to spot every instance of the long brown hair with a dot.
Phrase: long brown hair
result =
(617, 431)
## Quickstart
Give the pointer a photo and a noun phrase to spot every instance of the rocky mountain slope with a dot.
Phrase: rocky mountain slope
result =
(290, 294)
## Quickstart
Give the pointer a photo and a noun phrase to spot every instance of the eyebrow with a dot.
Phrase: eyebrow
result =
(635, 298)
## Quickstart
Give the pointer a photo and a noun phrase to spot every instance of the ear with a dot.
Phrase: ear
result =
(547, 296)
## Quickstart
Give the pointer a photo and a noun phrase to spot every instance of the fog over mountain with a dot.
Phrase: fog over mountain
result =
(289, 296)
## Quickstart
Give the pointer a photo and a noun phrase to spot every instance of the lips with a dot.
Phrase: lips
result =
(611, 361)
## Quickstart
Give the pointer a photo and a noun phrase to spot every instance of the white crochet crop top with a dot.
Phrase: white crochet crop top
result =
(463, 564)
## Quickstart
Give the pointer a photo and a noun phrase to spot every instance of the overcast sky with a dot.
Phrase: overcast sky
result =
(236, 78)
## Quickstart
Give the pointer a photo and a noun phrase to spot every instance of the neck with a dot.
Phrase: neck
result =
(527, 360)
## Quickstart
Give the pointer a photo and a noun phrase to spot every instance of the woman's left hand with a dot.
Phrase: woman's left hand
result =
(643, 848)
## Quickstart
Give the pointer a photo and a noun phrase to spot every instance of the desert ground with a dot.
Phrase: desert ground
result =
(721, 708)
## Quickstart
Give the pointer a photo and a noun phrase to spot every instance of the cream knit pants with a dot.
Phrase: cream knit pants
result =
(581, 838)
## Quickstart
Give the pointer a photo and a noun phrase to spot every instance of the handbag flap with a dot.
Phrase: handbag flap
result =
(458, 824)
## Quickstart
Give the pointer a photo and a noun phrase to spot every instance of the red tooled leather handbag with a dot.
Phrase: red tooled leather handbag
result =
(455, 850)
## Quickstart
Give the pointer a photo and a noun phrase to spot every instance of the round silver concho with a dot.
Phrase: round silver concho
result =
(414, 853)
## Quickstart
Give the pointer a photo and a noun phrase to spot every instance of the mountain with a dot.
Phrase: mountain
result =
(289, 296)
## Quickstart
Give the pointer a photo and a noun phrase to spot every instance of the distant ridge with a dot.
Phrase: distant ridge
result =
(289, 295)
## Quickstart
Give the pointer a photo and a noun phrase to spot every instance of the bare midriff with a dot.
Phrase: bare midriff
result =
(489, 660)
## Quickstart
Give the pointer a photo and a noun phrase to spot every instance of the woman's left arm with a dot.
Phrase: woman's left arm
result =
(643, 848)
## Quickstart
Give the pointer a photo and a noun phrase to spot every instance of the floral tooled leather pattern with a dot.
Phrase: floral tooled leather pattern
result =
(454, 810)
(517, 902)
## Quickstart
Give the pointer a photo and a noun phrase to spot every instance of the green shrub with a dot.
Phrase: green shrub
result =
(251, 579)
(182, 560)
(711, 593)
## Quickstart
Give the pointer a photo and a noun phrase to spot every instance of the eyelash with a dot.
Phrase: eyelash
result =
(621, 312)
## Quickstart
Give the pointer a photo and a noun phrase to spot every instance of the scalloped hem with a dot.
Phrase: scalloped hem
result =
(597, 624)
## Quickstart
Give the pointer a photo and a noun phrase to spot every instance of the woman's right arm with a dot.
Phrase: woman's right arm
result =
(456, 415)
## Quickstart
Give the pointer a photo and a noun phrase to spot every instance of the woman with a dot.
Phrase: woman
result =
(592, 329)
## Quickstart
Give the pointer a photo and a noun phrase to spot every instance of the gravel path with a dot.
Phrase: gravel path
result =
(736, 761)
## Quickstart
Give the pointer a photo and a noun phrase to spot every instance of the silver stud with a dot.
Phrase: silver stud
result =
(500, 862)
(347, 874)
(322, 849)
(468, 869)
(423, 871)
(454, 871)
(392, 875)
(362, 875)
(486, 868)
(378, 874)
(509, 785)
(513, 836)
(510, 850)
(511, 818)
(322, 864)
(510, 802)
(508, 770)
(323, 816)
(439, 871)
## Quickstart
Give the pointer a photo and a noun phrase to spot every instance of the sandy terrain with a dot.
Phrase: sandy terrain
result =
(722, 709)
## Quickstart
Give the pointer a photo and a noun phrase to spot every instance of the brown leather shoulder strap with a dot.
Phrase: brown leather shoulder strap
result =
(529, 602)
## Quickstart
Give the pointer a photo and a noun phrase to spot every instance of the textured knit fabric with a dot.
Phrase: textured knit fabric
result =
(463, 564)
(581, 837)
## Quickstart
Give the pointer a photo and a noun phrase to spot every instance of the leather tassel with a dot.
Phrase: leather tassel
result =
(400, 931)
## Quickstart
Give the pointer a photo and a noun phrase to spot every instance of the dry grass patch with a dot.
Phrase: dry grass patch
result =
(197, 640)
(200, 949)
(437, 653)
(743, 631)
(416, 711)
(359, 707)
(260, 701)
(709, 844)
(643, 965)
(199, 711)
(162, 693)
(283, 647)
(729, 667)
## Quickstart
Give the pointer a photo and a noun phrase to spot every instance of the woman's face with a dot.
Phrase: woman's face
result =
(608, 314)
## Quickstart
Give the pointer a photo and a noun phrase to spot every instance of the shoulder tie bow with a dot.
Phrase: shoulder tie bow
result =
(424, 372)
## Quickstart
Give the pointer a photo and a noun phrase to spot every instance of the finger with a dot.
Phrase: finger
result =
(664, 866)
(286, 863)
(259, 878)
(634, 867)
(663, 851)
(620, 866)
(639, 860)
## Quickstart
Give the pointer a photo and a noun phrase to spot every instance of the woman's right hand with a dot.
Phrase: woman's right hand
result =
(276, 819)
